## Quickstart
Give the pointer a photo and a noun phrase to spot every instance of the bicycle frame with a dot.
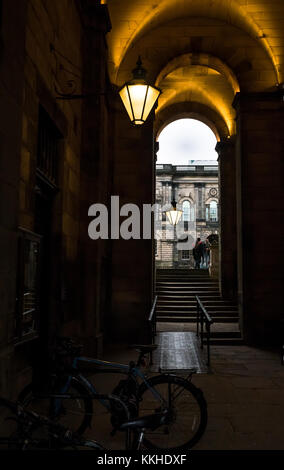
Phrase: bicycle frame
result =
(108, 367)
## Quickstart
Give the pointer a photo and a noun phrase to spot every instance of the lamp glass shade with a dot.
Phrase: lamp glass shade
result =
(138, 99)
(174, 216)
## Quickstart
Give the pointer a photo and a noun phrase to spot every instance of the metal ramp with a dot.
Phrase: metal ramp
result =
(178, 351)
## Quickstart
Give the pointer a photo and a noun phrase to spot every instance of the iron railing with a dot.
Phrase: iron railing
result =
(152, 320)
(202, 316)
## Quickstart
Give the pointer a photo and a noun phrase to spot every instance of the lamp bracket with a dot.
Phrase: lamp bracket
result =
(75, 96)
(139, 72)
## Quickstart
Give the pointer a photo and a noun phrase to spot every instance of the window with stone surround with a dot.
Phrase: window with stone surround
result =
(47, 150)
(185, 254)
(213, 211)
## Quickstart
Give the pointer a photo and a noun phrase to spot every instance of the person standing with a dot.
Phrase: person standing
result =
(206, 253)
(197, 252)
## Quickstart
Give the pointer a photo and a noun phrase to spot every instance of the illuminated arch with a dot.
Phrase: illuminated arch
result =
(134, 21)
(207, 60)
(195, 111)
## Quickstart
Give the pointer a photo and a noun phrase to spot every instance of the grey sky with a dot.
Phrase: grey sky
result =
(184, 140)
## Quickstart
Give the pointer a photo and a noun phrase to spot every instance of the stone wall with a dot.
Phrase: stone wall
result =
(44, 49)
(259, 165)
(11, 109)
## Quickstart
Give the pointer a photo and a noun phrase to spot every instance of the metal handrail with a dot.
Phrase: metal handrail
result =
(201, 315)
(152, 319)
(153, 324)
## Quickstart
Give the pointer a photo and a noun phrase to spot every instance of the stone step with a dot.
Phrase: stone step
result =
(188, 295)
(186, 285)
(192, 303)
(187, 292)
(177, 290)
(192, 319)
(209, 305)
(192, 309)
(185, 273)
(190, 288)
(186, 279)
(181, 271)
(204, 297)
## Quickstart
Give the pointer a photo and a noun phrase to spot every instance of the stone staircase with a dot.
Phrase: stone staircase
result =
(176, 290)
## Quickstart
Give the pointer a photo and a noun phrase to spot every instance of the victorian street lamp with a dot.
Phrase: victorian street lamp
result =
(138, 96)
(173, 214)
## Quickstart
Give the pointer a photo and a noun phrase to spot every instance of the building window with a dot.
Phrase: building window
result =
(27, 285)
(47, 152)
(185, 254)
(186, 209)
(213, 211)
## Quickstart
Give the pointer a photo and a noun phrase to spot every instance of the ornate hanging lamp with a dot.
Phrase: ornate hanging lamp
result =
(138, 96)
(174, 215)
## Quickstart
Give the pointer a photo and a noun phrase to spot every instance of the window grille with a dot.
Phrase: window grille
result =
(213, 211)
(185, 254)
(47, 151)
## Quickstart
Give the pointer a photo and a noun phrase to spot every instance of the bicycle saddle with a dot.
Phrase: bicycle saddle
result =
(144, 348)
(147, 422)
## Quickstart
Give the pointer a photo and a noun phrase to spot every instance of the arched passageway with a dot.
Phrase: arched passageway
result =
(234, 86)
(67, 143)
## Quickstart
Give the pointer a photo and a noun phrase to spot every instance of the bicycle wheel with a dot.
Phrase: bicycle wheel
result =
(187, 413)
(73, 413)
(9, 436)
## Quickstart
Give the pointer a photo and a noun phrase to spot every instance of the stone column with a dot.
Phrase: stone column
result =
(259, 167)
(214, 261)
(95, 175)
(133, 173)
(227, 219)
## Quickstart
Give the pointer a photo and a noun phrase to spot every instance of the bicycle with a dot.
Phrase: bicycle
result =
(167, 392)
(25, 430)
(35, 432)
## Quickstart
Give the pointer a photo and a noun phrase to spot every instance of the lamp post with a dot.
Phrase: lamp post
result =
(174, 216)
(138, 96)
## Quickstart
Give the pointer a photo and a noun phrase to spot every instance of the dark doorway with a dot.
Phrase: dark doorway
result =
(45, 193)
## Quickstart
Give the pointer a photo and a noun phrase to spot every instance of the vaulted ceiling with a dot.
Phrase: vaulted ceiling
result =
(199, 51)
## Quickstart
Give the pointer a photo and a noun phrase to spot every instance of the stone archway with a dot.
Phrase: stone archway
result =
(195, 31)
(192, 110)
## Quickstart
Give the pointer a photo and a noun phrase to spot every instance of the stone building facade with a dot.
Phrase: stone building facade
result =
(49, 156)
(195, 189)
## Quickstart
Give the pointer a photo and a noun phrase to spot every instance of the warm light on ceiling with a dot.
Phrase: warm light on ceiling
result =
(144, 16)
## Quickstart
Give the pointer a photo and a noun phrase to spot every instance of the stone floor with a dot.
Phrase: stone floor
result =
(244, 393)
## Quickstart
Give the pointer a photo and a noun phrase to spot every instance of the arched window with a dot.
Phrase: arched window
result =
(213, 211)
(186, 211)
